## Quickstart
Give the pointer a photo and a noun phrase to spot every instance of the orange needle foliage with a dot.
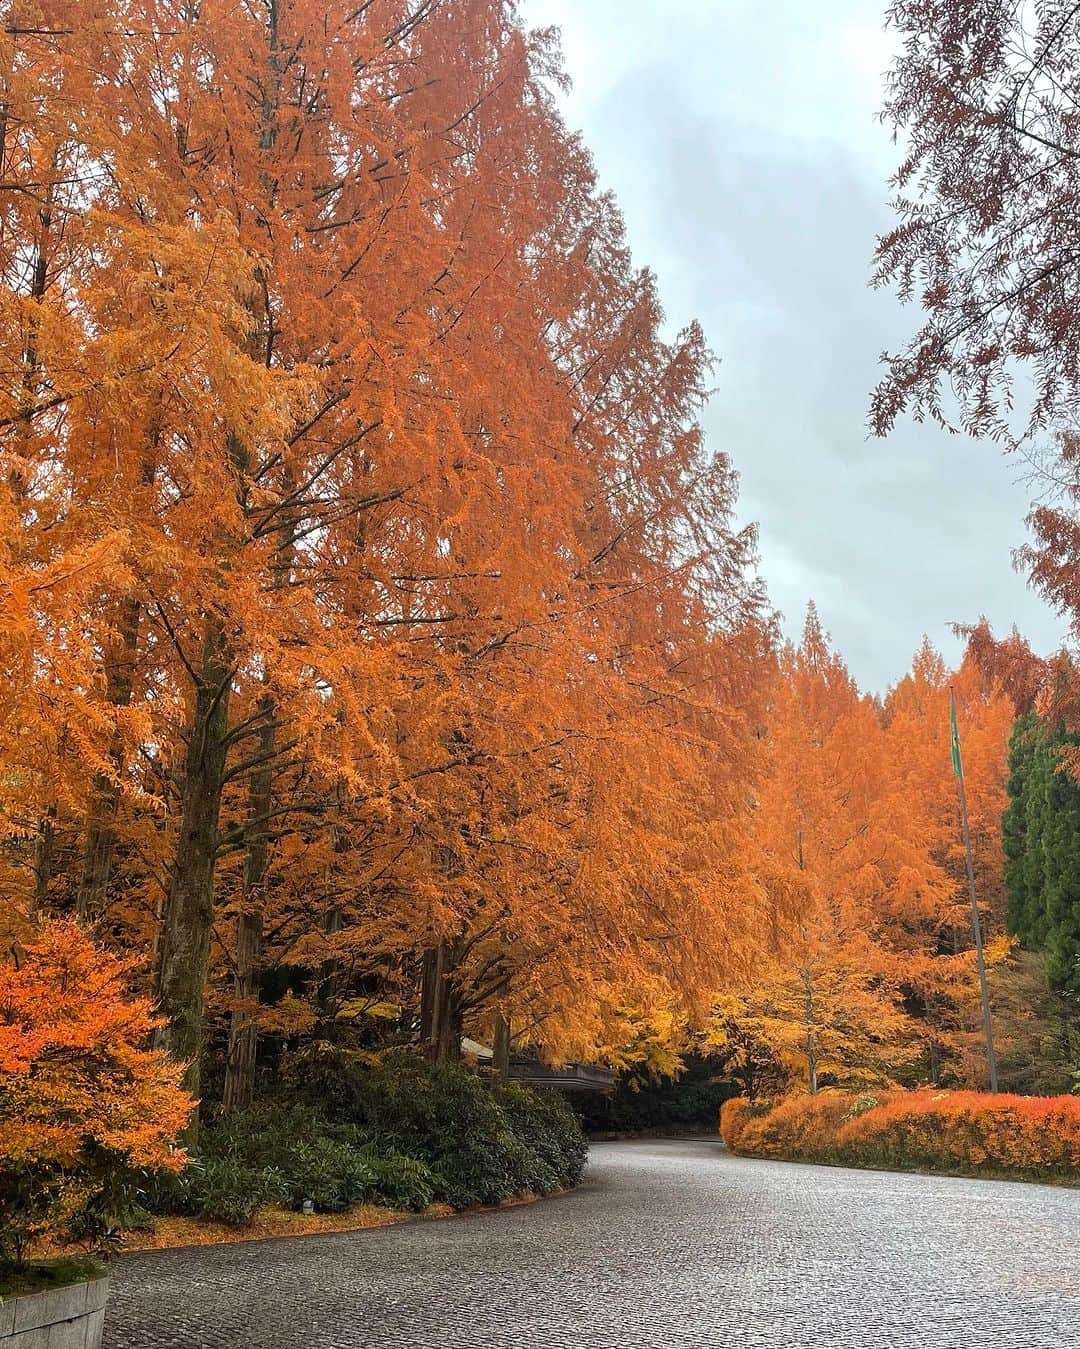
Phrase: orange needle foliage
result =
(862, 859)
(376, 626)
(417, 651)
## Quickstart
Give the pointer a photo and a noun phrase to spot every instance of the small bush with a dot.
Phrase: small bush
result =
(270, 1155)
(403, 1182)
(328, 1079)
(224, 1190)
(82, 1100)
(333, 1175)
(802, 1127)
(733, 1117)
(548, 1127)
(264, 1134)
(482, 1144)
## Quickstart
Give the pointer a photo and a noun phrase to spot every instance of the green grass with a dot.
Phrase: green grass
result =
(36, 1276)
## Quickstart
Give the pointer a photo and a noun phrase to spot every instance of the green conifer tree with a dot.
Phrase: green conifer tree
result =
(1041, 834)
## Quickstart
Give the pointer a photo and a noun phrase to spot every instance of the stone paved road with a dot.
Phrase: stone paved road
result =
(668, 1245)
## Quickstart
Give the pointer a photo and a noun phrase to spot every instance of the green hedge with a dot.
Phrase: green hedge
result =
(399, 1132)
(483, 1144)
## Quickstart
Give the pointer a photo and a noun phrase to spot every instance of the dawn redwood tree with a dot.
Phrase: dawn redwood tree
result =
(299, 129)
(523, 653)
(870, 966)
(113, 334)
(928, 926)
(371, 658)
(831, 856)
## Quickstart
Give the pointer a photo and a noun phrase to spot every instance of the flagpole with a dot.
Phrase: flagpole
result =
(958, 769)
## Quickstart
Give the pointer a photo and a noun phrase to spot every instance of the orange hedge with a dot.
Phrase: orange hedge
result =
(1026, 1137)
(734, 1114)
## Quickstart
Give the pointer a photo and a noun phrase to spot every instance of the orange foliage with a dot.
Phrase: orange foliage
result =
(964, 1131)
(870, 976)
(412, 619)
(734, 1116)
(799, 1128)
(81, 1097)
(372, 606)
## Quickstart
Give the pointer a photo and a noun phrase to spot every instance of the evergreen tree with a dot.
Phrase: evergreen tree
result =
(1022, 897)
(1041, 835)
(1061, 866)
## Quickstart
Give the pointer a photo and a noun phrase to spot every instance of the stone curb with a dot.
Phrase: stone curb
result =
(72, 1317)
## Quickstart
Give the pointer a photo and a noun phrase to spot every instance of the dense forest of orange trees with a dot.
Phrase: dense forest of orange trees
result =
(382, 656)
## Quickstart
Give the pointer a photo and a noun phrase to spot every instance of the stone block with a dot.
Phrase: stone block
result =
(68, 1334)
(37, 1338)
(95, 1327)
(59, 1318)
(33, 1310)
(57, 1304)
(96, 1293)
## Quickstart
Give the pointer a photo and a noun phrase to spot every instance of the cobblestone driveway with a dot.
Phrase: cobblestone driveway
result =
(668, 1245)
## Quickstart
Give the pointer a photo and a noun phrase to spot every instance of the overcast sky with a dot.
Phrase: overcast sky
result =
(743, 145)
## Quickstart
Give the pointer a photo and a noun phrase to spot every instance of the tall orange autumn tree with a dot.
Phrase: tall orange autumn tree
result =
(419, 650)
(871, 973)
(933, 933)
(828, 1003)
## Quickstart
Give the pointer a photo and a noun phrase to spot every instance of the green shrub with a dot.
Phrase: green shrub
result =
(328, 1079)
(270, 1154)
(401, 1132)
(333, 1175)
(550, 1131)
(441, 1115)
(403, 1182)
(224, 1190)
(482, 1144)
(263, 1134)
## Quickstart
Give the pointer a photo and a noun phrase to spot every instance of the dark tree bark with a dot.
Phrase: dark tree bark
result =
(189, 905)
(441, 1009)
(243, 1027)
(44, 859)
(500, 1050)
(90, 897)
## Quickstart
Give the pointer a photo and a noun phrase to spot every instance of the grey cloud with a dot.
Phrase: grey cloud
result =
(763, 227)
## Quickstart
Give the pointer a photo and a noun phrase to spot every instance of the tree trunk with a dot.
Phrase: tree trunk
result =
(811, 1033)
(243, 1025)
(448, 1044)
(44, 857)
(500, 1049)
(100, 844)
(189, 905)
(427, 996)
(433, 998)
(441, 1012)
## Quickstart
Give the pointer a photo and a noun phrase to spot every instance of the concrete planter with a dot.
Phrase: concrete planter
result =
(72, 1317)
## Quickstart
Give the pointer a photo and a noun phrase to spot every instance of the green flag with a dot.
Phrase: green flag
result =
(954, 738)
